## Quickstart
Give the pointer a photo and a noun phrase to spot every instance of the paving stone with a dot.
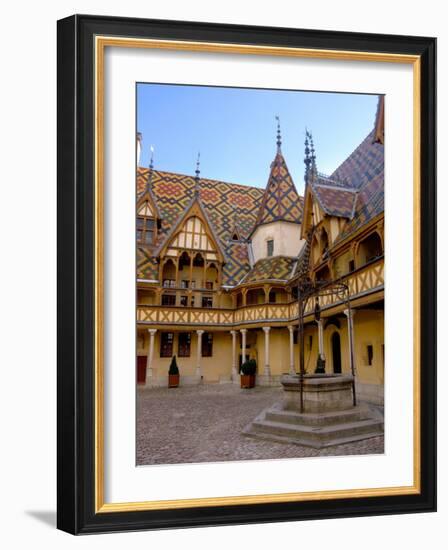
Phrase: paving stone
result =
(205, 423)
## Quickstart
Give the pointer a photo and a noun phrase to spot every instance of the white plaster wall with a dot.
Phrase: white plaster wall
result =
(286, 238)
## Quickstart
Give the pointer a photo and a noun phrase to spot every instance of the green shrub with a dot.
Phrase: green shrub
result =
(174, 369)
(249, 367)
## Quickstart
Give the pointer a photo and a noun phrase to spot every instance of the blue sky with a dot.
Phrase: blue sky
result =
(235, 129)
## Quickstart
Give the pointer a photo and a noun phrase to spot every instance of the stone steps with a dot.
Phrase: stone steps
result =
(322, 419)
(313, 430)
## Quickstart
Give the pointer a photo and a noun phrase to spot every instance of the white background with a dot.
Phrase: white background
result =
(28, 186)
(124, 482)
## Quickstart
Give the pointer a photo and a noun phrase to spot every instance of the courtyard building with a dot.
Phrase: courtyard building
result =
(218, 266)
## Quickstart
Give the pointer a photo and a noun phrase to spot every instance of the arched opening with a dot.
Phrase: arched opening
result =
(336, 352)
(198, 260)
(198, 273)
(323, 274)
(255, 296)
(184, 270)
(370, 249)
(239, 299)
(169, 274)
(315, 250)
(324, 243)
(211, 277)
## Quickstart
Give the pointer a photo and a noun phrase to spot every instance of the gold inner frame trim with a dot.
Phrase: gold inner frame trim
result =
(101, 42)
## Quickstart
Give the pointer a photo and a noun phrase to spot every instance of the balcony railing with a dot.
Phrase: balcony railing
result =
(365, 280)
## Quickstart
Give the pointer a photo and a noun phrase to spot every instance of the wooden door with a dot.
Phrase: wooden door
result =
(141, 369)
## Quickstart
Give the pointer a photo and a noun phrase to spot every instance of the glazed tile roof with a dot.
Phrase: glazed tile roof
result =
(281, 201)
(363, 165)
(335, 200)
(364, 170)
(354, 191)
(277, 267)
(223, 203)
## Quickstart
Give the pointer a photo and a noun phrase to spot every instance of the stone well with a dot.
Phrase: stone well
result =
(328, 418)
(321, 392)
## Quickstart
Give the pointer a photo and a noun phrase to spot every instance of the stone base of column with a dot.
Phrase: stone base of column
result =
(268, 381)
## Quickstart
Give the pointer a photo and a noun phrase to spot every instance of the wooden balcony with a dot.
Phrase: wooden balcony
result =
(363, 282)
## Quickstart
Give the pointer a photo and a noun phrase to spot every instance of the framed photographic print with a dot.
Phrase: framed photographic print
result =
(246, 268)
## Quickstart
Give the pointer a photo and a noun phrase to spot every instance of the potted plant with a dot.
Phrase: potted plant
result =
(248, 370)
(173, 374)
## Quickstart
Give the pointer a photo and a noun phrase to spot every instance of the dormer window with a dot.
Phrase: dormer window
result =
(145, 230)
(146, 225)
(270, 247)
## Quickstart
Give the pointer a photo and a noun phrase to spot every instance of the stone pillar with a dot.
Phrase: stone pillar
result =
(321, 358)
(320, 332)
(349, 313)
(267, 367)
(198, 355)
(291, 350)
(234, 361)
(243, 344)
(149, 373)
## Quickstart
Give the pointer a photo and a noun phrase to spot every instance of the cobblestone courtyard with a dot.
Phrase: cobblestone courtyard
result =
(204, 424)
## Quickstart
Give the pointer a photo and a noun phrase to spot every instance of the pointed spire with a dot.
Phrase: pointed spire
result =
(310, 156)
(279, 135)
(151, 162)
(198, 173)
(307, 160)
(151, 168)
(313, 156)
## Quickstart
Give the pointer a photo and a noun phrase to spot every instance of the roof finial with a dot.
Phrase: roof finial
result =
(307, 159)
(313, 156)
(197, 172)
(279, 136)
(310, 156)
(151, 162)
(151, 167)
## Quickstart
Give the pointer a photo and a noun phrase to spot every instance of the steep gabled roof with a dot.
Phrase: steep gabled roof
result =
(281, 201)
(335, 200)
(364, 169)
(221, 201)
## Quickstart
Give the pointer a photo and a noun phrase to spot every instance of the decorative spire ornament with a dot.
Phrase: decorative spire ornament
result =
(151, 168)
(310, 156)
(198, 173)
(279, 135)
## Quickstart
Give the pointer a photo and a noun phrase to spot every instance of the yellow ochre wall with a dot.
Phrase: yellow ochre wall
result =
(368, 330)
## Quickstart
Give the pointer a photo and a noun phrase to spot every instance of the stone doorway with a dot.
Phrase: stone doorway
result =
(336, 351)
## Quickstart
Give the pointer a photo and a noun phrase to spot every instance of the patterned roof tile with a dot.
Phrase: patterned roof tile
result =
(281, 201)
(223, 202)
(275, 268)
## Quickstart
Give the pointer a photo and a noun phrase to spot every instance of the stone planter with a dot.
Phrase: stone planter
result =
(248, 381)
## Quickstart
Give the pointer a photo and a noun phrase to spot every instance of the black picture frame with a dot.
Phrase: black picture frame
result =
(76, 254)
